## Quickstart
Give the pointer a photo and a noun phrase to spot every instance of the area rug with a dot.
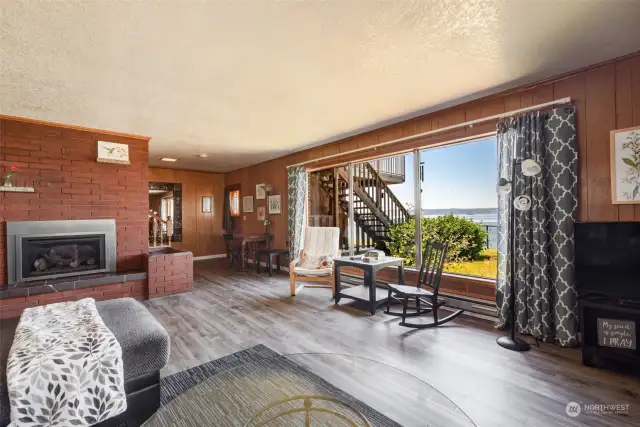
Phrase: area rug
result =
(250, 380)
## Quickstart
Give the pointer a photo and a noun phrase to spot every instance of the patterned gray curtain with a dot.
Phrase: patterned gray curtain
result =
(297, 197)
(546, 299)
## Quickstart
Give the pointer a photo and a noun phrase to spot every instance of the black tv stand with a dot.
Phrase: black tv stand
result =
(599, 306)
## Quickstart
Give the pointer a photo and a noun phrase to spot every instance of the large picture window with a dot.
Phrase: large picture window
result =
(459, 204)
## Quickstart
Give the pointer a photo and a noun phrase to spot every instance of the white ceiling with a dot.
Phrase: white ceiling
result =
(247, 81)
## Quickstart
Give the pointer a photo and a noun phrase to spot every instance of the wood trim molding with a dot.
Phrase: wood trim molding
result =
(75, 127)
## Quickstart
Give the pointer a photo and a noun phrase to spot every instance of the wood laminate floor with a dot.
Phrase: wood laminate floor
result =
(230, 311)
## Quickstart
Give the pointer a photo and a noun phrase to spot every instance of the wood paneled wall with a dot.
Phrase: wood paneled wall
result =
(606, 97)
(201, 232)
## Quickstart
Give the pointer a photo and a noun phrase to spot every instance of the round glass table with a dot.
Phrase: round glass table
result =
(311, 390)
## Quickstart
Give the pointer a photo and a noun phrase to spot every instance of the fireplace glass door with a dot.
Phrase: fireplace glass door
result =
(53, 256)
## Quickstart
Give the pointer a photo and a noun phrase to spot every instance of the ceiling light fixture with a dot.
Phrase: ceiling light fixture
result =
(203, 156)
(168, 159)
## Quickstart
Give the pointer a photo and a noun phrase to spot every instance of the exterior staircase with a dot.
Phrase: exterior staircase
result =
(375, 207)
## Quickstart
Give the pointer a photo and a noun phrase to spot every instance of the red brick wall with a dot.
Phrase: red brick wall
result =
(170, 274)
(13, 307)
(69, 183)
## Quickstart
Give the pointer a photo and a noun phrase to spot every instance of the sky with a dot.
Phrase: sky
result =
(461, 175)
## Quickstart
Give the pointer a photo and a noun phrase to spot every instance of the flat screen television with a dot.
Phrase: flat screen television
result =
(607, 258)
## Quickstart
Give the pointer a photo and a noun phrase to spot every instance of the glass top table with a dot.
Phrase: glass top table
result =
(311, 390)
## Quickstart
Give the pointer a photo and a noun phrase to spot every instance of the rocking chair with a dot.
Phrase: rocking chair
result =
(429, 276)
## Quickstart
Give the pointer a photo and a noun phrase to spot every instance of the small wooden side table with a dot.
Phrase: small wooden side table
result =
(269, 253)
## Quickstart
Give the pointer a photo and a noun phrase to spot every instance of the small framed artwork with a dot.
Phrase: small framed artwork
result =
(111, 152)
(261, 193)
(247, 204)
(261, 213)
(625, 166)
(206, 204)
(275, 204)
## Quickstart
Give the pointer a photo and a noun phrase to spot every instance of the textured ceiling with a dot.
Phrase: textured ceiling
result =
(246, 81)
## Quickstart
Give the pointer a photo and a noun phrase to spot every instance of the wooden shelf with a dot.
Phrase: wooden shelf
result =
(17, 189)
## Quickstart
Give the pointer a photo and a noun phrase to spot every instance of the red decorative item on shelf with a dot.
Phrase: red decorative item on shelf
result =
(7, 179)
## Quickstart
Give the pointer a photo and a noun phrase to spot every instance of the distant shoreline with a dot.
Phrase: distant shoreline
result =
(459, 211)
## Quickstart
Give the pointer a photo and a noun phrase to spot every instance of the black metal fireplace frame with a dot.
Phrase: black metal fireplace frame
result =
(20, 240)
(18, 231)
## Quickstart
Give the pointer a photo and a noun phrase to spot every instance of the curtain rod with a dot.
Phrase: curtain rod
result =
(435, 131)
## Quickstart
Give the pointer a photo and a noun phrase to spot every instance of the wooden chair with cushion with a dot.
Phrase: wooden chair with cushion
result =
(429, 278)
(315, 261)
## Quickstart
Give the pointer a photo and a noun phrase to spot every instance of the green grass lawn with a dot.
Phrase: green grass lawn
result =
(485, 267)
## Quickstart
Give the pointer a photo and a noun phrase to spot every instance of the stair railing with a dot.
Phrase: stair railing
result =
(380, 192)
(382, 203)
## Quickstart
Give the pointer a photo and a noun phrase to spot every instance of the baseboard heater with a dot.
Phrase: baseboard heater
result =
(473, 306)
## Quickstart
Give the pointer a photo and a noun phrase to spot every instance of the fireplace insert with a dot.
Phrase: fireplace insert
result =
(41, 250)
(56, 256)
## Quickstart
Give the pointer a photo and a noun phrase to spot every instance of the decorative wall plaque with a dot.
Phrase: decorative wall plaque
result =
(275, 204)
(261, 193)
(112, 152)
(247, 204)
(206, 204)
(617, 333)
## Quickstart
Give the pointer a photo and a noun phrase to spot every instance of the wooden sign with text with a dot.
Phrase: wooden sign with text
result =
(617, 333)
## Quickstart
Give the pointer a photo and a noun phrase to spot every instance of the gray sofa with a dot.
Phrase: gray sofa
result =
(145, 350)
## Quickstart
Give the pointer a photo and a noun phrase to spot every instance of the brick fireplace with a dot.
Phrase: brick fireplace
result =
(59, 162)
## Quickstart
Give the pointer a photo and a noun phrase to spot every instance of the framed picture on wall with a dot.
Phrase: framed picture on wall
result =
(261, 213)
(112, 152)
(247, 204)
(261, 193)
(625, 166)
(275, 204)
(206, 204)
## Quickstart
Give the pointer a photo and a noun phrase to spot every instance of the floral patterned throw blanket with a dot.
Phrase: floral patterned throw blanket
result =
(65, 367)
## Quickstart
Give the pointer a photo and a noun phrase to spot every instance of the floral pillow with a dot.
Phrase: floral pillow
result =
(325, 262)
(312, 262)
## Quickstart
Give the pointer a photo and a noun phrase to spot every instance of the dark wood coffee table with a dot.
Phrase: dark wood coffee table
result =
(368, 292)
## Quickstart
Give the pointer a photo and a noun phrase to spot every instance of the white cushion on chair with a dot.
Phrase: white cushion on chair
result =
(322, 241)
(312, 272)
